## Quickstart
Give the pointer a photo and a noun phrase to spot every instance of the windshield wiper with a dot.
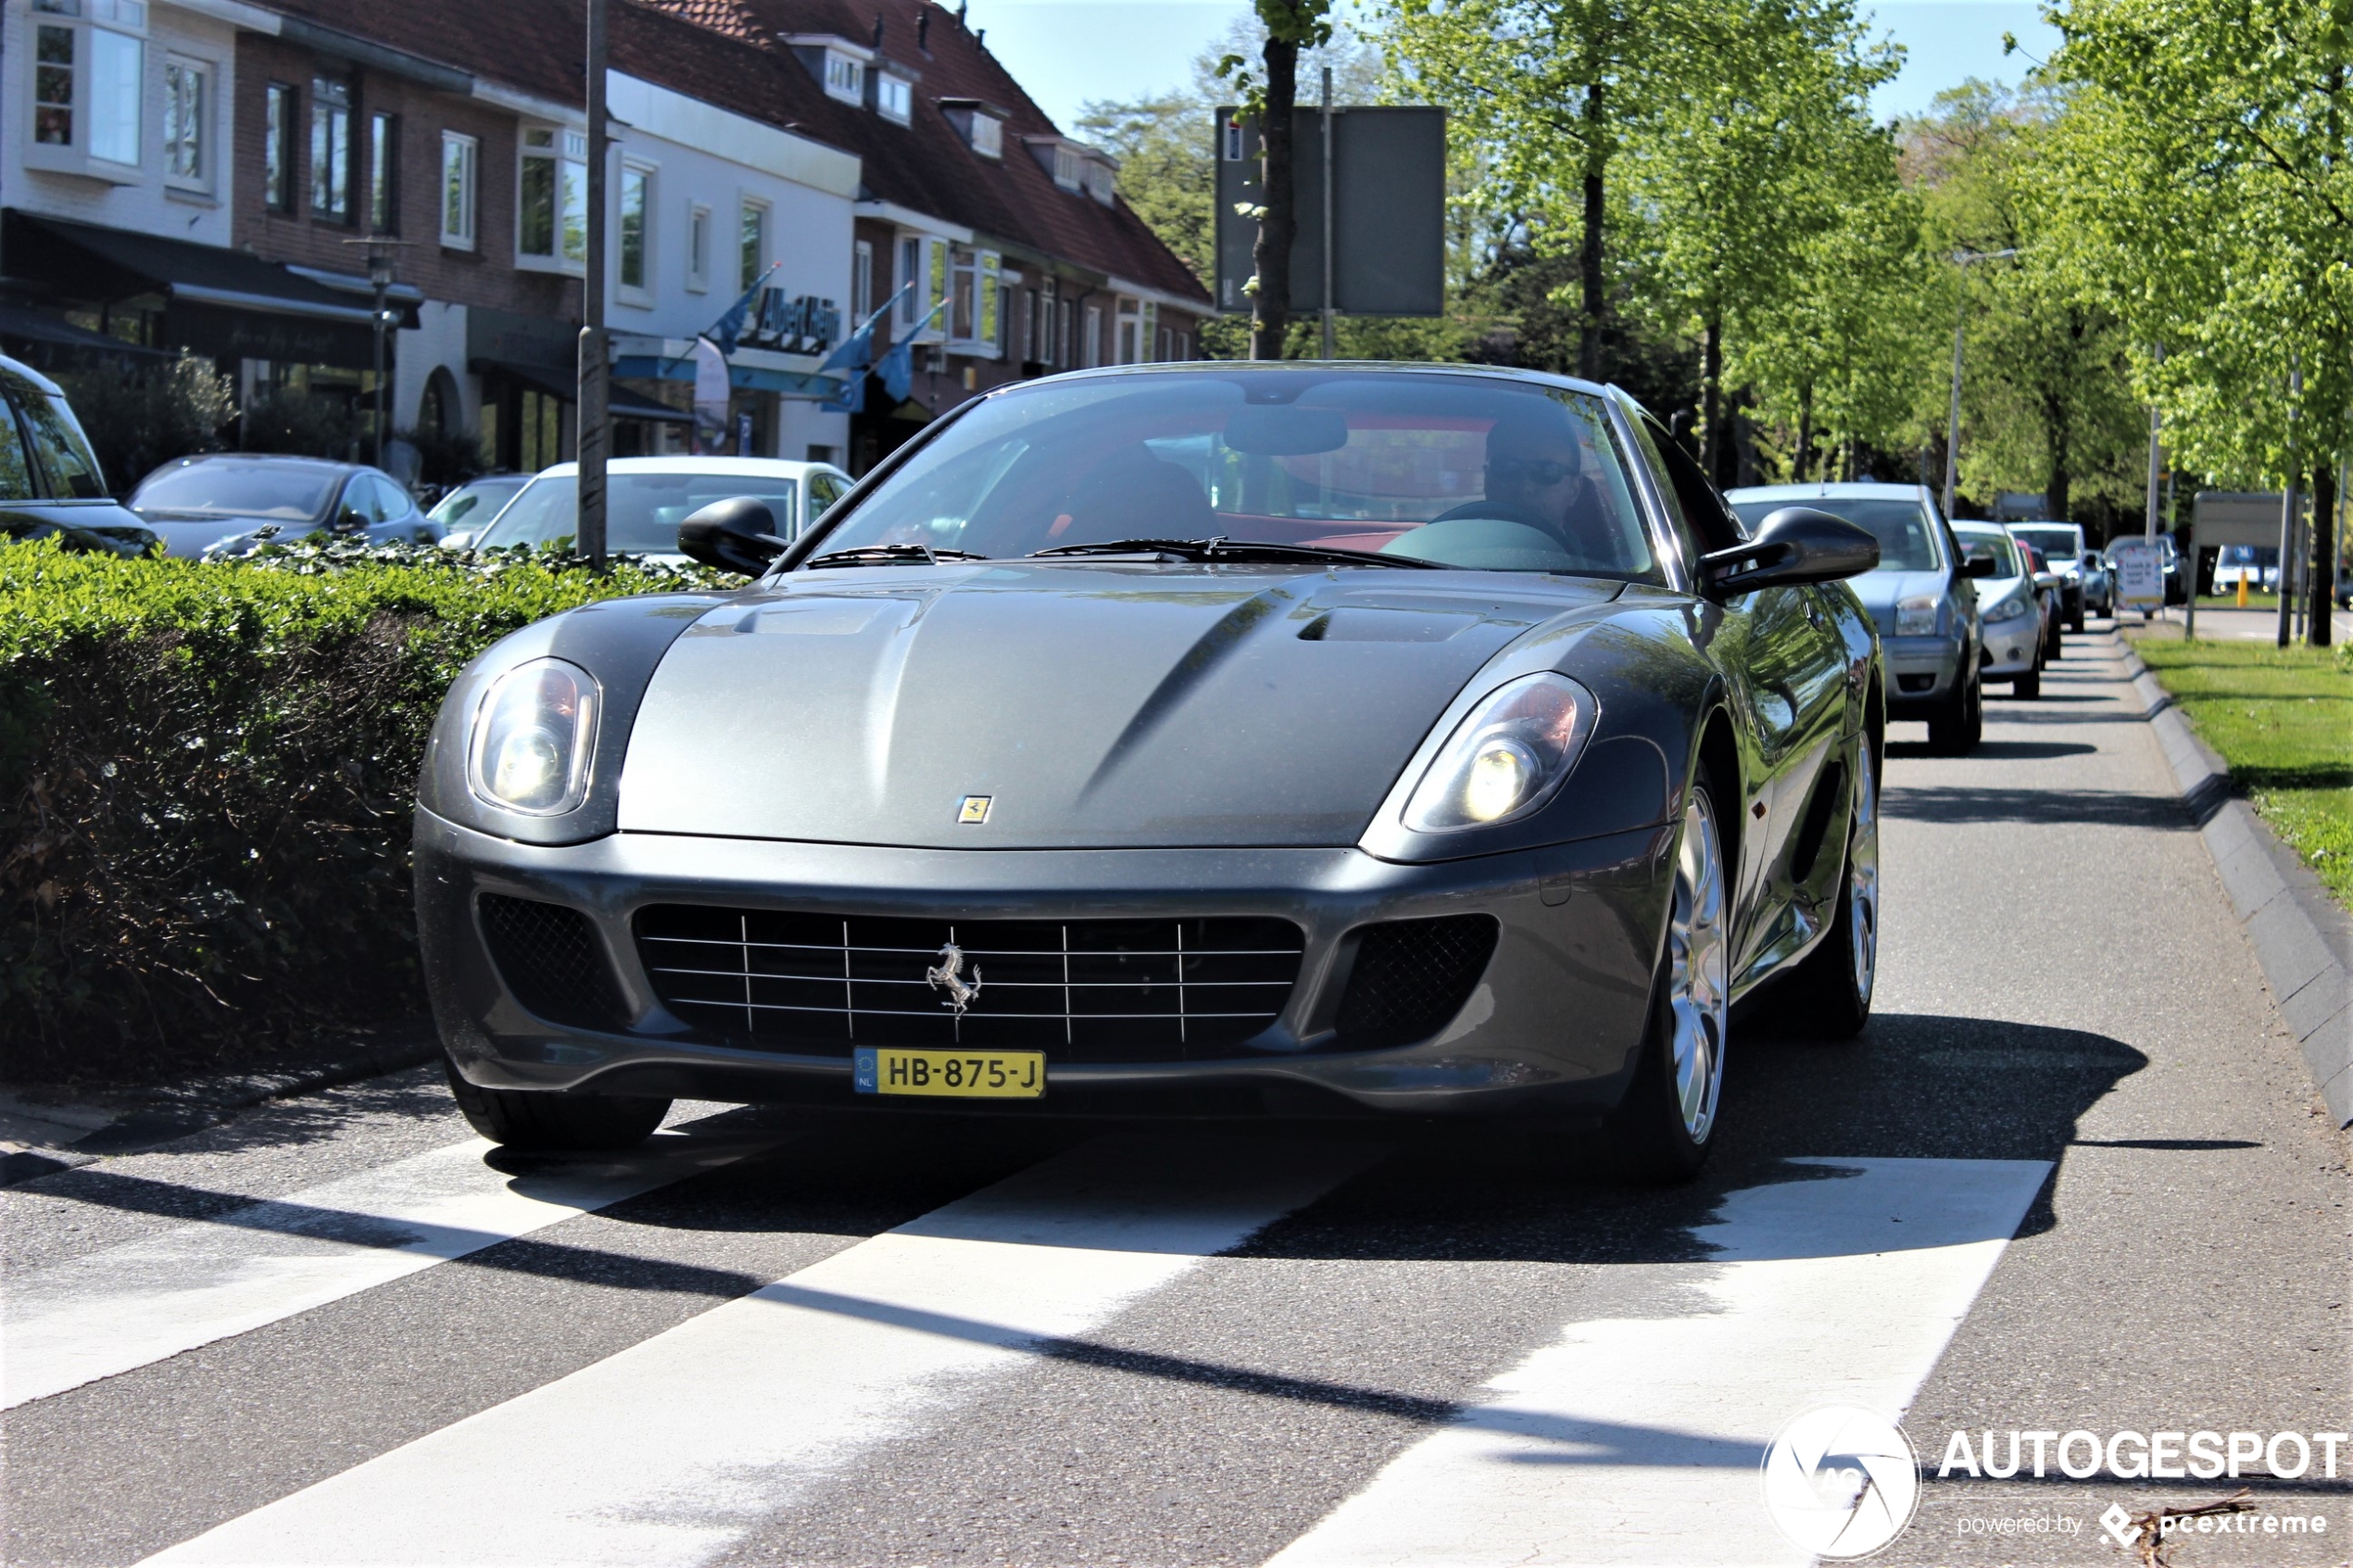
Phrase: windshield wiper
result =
(891, 555)
(1223, 548)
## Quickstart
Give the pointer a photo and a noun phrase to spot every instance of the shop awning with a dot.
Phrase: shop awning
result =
(219, 302)
(622, 403)
(26, 324)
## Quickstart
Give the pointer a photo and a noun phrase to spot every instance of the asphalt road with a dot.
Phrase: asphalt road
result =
(2073, 1179)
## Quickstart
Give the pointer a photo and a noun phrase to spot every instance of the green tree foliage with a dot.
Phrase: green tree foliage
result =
(2199, 187)
(2047, 403)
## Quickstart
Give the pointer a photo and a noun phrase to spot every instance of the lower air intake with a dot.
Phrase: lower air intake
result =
(1412, 977)
(551, 961)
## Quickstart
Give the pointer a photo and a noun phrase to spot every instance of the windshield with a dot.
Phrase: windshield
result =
(240, 487)
(2057, 544)
(642, 510)
(475, 504)
(1907, 538)
(2005, 557)
(1466, 473)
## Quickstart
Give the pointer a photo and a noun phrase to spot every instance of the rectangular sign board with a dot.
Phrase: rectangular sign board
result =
(2140, 573)
(1389, 210)
(2226, 516)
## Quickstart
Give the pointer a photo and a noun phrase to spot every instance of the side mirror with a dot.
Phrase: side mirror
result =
(457, 539)
(2091, 560)
(736, 534)
(1795, 545)
(1981, 566)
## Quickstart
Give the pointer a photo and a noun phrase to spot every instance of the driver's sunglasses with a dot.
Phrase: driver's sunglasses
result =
(1535, 470)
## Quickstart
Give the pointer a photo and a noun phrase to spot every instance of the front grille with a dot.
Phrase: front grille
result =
(1412, 976)
(1914, 682)
(551, 961)
(1093, 990)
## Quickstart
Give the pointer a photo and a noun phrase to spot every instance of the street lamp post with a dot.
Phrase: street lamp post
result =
(595, 428)
(1960, 322)
(380, 280)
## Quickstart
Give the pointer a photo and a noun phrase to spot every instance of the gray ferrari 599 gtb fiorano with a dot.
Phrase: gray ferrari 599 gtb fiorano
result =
(1209, 739)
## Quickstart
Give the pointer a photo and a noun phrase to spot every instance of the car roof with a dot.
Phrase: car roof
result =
(18, 367)
(767, 468)
(272, 460)
(1327, 368)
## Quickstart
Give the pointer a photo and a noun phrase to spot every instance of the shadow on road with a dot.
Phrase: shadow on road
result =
(1981, 803)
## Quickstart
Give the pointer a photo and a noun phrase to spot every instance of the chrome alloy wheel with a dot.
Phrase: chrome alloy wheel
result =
(1698, 990)
(1862, 876)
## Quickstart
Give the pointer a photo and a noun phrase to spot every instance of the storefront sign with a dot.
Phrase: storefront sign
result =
(799, 324)
(226, 333)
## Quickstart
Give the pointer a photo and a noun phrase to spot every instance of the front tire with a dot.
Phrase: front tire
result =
(553, 1120)
(1666, 1126)
(2028, 686)
(1957, 730)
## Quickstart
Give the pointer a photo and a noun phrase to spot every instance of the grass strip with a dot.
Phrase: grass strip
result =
(2283, 719)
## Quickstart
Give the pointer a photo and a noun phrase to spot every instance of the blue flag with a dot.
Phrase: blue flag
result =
(731, 326)
(898, 366)
(857, 350)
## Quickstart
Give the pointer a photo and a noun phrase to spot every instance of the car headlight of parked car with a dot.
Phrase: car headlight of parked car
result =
(1916, 617)
(533, 738)
(1506, 757)
(2008, 610)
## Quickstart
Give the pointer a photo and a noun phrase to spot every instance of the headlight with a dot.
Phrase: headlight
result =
(1505, 756)
(1916, 617)
(533, 738)
(2008, 610)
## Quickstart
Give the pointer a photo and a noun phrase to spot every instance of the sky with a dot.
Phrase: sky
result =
(1066, 52)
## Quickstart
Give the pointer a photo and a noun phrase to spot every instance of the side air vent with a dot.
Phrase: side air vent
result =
(1412, 976)
(551, 961)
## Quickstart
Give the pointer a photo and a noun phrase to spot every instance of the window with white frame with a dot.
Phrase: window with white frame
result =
(973, 305)
(1069, 172)
(635, 268)
(861, 282)
(459, 155)
(1101, 180)
(89, 78)
(331, 148)
(910, 267)
(1128, 348)
(551, 208)
(697, 247)
(751, 244)
(1151, 334)
(988, 136)
(895, 96)
(845, 78)
(187, 122)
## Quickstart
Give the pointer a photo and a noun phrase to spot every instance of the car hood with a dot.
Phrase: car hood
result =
(191, 535)
(1093, 706)
(1881, 590)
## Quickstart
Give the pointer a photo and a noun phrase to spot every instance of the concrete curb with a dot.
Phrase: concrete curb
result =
(2301, 937)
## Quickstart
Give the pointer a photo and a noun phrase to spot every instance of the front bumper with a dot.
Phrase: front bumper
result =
(1553, 1023)
(2012, 645)
(1921, 674)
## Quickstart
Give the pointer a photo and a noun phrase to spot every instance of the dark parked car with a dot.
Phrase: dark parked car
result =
(50, 486)
(220, 505)
(1193, 739)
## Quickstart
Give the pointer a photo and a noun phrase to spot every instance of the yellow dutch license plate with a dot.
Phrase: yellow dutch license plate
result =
(893, 1069)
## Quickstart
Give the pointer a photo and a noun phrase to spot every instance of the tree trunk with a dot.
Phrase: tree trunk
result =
(2058, 447)
(1271, 254)
(1589, 334)
(2323, 571)
(1805, 433)
(1711, 395)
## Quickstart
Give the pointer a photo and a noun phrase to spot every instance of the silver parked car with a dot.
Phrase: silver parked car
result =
(1921, 597)
(2063, 547)
(647, 498)
(2008, 606)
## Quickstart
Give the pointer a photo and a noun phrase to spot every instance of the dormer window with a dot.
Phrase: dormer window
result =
(1102, 180)
(1077, 167)
(982, 124)
(894, 97)
(838, 64)
(845, 78)
(1069, 169)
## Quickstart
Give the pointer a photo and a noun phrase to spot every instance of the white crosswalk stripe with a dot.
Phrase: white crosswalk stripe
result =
(1638, 1440)
(672, 1450)
(124, 1307)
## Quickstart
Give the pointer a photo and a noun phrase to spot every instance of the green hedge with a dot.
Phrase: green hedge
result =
(206, 777)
